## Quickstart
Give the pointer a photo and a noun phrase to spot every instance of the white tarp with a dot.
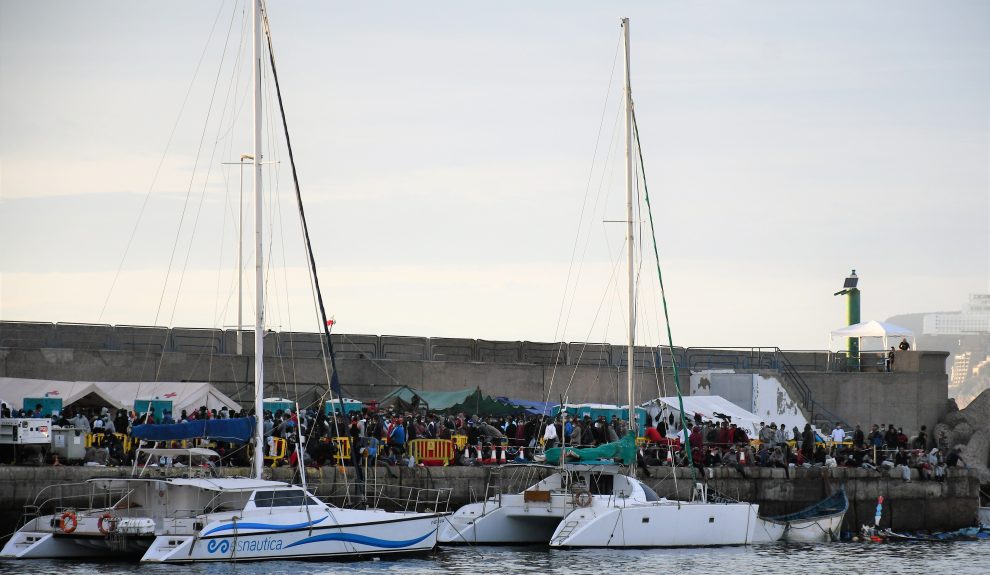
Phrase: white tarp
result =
(707, 406)
(188, 395)
(874, 328)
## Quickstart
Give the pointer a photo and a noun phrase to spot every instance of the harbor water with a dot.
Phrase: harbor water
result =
(957, 557)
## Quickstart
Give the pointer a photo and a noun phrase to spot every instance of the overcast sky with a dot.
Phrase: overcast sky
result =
(453, 154)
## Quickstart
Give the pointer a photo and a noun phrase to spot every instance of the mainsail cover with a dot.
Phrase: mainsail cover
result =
(236, 430)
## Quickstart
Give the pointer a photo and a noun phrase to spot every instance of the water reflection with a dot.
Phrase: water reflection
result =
(961, 558)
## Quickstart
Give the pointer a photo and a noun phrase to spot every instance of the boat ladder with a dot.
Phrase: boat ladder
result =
(566, 531)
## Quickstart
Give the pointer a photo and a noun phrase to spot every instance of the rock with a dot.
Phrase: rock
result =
(961, 434)
(952, 406)
(976, 454)
(953, 419)
(977, 413)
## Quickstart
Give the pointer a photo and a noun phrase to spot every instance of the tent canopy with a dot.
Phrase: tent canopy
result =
(530, 407)
(708, 406)
(594, 410)
(188, 395)
(470, 401)
(874, 328)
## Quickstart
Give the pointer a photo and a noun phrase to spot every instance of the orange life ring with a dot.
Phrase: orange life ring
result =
(68, 522)
(107, 523)
(582, 498)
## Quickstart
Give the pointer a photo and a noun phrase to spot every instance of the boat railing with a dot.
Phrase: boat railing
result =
(385, 496)
(415, 499)
(59, 498)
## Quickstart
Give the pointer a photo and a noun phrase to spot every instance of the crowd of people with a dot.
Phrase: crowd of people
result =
(383, 435)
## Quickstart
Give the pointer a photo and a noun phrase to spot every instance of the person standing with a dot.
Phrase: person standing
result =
(838, 434)
(550, 436)
(859, 438)
(780, 438)
(807, 441)
(904, 345)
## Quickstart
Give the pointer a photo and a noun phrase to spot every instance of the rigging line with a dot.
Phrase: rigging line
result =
(584, 203)
(663, 296)
(607, 170)
(587, 243)
(230, 99)
(158, 169)
(612, 279)
(587, 189)
(333, 375)
(185, 205)
(275, 208)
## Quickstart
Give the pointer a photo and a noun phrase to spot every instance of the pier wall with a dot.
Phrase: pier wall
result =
(914, 505)
(371, 366)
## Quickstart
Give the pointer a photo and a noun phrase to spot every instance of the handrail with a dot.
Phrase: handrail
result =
(807, 397)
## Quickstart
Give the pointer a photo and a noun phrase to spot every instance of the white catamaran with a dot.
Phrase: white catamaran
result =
(589, 502)
(200, 517)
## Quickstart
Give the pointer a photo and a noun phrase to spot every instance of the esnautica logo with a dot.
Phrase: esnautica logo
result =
(222, 545)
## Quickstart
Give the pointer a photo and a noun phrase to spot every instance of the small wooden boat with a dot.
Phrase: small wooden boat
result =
(818, 523)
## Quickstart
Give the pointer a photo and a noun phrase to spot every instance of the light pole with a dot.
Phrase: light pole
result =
(240, 256)
(240, 259)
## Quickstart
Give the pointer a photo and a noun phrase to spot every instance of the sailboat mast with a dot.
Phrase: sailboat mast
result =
(629, 229)
(259, 316)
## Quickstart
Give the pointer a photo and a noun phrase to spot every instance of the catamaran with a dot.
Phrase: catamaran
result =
(201, 517)
(707, 519)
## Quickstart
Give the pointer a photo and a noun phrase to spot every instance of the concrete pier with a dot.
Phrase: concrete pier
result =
(914, 505)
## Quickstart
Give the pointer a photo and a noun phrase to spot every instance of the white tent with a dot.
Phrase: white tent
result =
(14, 390)
(876, 329)
(188, 395)
(708, 406)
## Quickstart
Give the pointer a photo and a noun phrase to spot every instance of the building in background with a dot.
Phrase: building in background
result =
(969, 332)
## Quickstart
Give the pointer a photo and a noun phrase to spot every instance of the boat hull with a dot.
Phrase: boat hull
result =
(489, 523)
(666, 524)
(412, 533)
(817, 530)
(41, 538)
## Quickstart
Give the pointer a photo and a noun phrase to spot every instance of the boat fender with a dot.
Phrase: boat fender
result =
(107, 524)
(582, 498)
(68, 522)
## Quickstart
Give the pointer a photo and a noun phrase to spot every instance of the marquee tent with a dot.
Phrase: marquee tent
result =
(708, 406)
(873, 328)
(188, 395)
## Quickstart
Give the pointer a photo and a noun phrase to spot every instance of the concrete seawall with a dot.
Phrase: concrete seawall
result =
(914, 505)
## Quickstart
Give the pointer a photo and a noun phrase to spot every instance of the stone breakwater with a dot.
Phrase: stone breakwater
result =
(908, 506)
(968, 431)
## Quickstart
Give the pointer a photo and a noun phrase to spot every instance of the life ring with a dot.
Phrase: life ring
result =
(582, 498)
(68, 522)
(107, 523)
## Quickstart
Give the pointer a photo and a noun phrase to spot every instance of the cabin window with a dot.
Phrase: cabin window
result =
(289, 498)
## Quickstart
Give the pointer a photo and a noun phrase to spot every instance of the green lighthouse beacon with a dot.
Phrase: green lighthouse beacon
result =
(852, 315)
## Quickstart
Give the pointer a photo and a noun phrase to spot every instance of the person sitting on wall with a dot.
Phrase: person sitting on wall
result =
(904, 345)
(953, 459)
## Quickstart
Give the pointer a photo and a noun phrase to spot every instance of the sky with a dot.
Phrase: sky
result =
(461, 165)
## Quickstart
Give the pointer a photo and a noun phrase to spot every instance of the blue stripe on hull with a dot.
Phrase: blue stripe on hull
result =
(361, 539)
(232, 526)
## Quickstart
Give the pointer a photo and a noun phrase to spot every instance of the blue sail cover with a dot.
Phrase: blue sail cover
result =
(237, 430)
